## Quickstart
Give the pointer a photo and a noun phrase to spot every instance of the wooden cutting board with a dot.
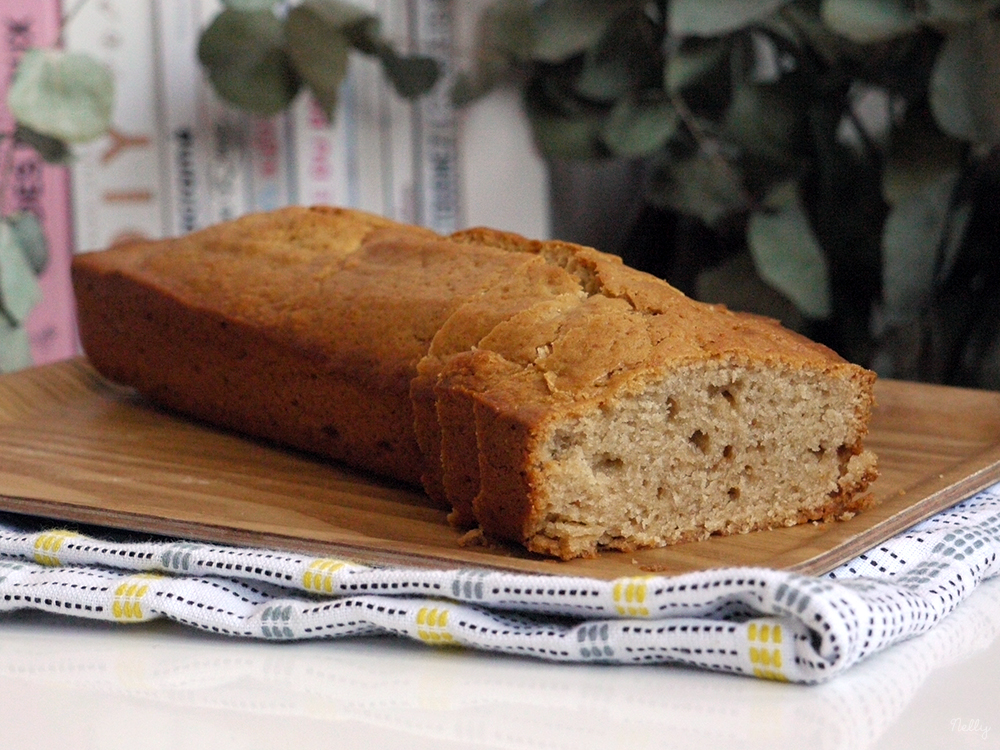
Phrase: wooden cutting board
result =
(76, 448)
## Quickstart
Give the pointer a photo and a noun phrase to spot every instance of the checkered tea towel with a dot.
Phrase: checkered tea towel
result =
(752, 621)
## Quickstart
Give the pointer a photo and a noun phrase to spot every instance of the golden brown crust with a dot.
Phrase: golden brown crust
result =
(230, 326)
(302, 325)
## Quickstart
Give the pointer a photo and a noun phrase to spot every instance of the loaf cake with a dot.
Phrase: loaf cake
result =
(543, 391)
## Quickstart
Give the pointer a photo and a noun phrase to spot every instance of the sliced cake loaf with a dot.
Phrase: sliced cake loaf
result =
(551, 395)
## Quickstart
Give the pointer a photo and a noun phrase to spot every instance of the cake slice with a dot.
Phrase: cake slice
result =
(464, 329)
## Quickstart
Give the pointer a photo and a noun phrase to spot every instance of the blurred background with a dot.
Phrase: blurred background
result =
(830, 163)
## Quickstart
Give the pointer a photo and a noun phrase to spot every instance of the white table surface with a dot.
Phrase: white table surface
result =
(85, 685)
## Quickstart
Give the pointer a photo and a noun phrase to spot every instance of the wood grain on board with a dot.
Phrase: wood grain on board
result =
(75, 448)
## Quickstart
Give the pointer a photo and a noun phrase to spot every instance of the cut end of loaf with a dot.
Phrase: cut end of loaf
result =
(711, 448)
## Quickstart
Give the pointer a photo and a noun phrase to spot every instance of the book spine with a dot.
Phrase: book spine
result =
(222, 139)
(435, 129)
(117, 186)
(177, 24)
(42, 189)
(364, 158)
(395, 123)
(320, 151)
(269, 163)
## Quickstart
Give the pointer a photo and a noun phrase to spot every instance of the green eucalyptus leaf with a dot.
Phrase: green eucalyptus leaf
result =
(703, 185)
(637, 128)
(764, 123)
(736, 284)
(627, 58)
(52, 150)
(948, 12)
(801, 24)
(18, 287)
(867, 21)
(504, 39)
(787, 254)
(551, 92)
(410, 76)
(250, 5)
(603, 79)
(564, 28)
(336, 14)
(566, 137)
(914, 234)
(507, 28)
(366, 36)
(468, 87)
(15, 346)
(918, 153)
(964, 89)
(694, 61)
(29, 235)
(68, 96)
(717, 17)
(245, 59)
(319, 49)
(562, 126)
(954, 237)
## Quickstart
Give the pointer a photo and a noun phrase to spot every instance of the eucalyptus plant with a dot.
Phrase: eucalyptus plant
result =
(57, 99)
(258, 54)
(848, 146)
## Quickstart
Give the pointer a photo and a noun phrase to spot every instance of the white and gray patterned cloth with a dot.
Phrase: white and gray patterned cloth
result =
(752, 621)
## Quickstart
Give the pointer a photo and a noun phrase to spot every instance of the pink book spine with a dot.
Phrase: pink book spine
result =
(38, 187)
